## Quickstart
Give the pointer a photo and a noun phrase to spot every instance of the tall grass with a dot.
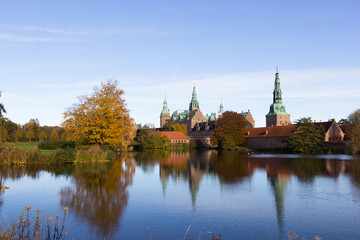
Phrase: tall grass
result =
(38, 226)
(19, 156)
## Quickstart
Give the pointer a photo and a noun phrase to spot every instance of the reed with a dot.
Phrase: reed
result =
(39, 226)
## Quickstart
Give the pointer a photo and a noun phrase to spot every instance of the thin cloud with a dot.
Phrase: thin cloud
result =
(68, 85)
(92, 32)
(21, 38)
(17, 97)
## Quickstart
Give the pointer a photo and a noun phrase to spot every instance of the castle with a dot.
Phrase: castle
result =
(194, 118)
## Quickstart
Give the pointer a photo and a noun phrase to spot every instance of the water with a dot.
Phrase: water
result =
(240, 197)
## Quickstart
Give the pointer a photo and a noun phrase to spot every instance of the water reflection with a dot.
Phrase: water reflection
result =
(99, 195)
(232, 168)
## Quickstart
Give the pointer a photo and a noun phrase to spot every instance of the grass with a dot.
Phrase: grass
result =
(27, 146)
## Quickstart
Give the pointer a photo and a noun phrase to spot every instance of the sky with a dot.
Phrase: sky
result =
(52, 52)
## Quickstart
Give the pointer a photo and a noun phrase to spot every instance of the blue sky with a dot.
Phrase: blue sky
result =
(53, 51)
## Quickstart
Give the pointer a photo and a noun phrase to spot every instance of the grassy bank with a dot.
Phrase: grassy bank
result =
(29, 153)
(27, 146)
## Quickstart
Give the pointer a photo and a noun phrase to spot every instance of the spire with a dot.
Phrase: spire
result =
(277, 91)
(221, 110)
(165, 109)
(194, 104)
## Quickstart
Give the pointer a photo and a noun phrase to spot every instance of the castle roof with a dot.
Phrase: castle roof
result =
(280, 131)
(173, 135)
(265, 132)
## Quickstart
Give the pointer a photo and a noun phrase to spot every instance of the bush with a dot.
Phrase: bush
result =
(33, 156)
(93, 153)
(13, 156)
(57, 144)
(62, 156)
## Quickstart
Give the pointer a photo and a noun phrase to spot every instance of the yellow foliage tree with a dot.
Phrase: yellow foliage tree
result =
(65, 136)
(180, 128)
(30, 135)
(43, 135)
(101, 118)
(54, 135)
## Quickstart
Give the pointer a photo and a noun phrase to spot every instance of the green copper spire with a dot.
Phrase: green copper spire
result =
(194, 104)
(221, 110)
(165, 109)
(277, 107)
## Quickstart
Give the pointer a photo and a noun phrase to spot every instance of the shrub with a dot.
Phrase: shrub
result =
(33, 155)
(57, 144)
(62, 156)
(93, 153)
(13, 156)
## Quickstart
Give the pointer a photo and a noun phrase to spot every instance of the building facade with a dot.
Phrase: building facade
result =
(277, 115)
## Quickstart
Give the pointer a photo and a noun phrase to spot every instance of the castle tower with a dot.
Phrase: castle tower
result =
(221, 109)
(194, 104)
(165, 115)
(277, 115)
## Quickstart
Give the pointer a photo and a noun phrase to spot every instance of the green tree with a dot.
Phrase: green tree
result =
(306, 138)
(353, 132)
(101, 118)
(11, 128)
(2, 108)
(168, 126)
(148, 138)
(180, 128)
(43, 135)
(229, 130)
(164, 142)
(54, 135)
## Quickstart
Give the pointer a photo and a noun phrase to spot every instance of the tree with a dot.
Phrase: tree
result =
(168, 126)
(148, 138)
(2, 108)
(353, 132)
(30, 135)
(65, 136)
(229, 130)
(19, 136)
(34, 126)
(43, 135)
(101, 118)
(179, 128)
(306, 138)
(54, 135)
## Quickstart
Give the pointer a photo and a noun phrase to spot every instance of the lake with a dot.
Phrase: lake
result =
(194, 194)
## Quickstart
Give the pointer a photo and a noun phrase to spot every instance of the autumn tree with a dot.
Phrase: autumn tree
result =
(43, 135)
(65, 136)
(34, 126)
(19, 136)
(229, 130)
(307, 137)
(54, 135)
(101, 118)
(180, 128)
(30, 135)
(352, 132)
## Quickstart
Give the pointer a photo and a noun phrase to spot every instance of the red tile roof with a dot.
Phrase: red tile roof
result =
(173, 135)
(278, 131)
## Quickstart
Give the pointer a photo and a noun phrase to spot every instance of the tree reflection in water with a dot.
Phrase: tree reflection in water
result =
(99, 195)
